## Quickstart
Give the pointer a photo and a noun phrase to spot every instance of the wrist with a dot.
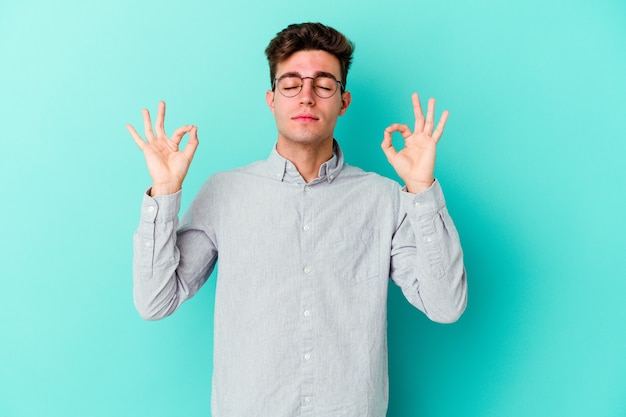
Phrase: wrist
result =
(419, 186)
(164, 189)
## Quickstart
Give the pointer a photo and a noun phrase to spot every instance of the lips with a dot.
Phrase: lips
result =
(305, 118)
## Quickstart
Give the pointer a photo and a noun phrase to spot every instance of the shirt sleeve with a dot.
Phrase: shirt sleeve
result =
(426, 256)
(169, 265)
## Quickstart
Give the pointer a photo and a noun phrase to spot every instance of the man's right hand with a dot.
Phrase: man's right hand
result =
(167, 164)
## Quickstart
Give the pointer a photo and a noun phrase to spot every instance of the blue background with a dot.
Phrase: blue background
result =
(532, 164)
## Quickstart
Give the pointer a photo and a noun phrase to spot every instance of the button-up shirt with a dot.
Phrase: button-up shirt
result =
(301, 292)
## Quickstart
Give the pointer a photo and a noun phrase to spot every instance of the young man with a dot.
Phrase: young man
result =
(306, 245)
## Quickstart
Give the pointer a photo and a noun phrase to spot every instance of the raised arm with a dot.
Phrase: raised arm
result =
(168, 266)
(167, 164)
(415, 163)
(427, 259)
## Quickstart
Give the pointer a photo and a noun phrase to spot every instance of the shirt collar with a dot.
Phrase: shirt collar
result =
(285, 171)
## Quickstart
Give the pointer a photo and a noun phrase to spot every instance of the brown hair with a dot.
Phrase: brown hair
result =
(309, 36)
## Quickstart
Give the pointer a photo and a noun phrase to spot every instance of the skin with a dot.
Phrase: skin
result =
(167, 164)
(305, 126)
(415, 163)
(306, 122)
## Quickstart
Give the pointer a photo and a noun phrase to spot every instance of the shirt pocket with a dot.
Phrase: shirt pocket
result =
(355, 254)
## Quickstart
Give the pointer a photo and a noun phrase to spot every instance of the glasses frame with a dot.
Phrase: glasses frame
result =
(277, 79)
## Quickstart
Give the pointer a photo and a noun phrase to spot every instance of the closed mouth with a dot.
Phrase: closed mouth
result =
(305, 118)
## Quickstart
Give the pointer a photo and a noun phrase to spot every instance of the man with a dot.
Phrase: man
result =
(306, 245)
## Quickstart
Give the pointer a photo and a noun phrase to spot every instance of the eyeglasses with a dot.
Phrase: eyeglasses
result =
(324, 86)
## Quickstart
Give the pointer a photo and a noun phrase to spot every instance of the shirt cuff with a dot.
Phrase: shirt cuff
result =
(429, 200)
(161, 208)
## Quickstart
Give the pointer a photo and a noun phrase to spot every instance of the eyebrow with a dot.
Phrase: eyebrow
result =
(315, 74)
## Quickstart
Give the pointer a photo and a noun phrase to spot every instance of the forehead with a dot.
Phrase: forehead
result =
(309, 63)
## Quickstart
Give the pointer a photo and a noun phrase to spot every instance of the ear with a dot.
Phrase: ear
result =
(269, 99)
(346, 99)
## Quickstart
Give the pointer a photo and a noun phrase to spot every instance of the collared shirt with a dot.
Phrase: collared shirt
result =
(301, 292)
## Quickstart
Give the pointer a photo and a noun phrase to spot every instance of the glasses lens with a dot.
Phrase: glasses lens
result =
(325, 87)
(289, 86)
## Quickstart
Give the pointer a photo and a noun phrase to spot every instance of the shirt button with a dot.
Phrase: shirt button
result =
(306, 188)
(307, 270)
(307, 356)
(332, 177)
(150, 209)
(417, 204)
(429, 240)
(307, 399)
(307, 313)
(307, 227)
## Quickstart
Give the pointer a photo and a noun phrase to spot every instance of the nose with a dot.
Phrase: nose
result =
(307, 95)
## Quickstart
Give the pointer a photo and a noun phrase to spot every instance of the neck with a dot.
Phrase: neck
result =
(306, 158)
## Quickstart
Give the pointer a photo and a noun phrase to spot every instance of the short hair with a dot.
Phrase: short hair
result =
(307, 37)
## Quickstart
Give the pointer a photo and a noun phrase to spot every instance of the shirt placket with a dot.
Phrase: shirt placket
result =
(307, 309)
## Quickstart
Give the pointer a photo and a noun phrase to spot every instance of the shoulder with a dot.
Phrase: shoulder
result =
(230, 177)
(369, 189)
(233, 183)
(371, 179)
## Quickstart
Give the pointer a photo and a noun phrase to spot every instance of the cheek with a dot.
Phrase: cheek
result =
(279, 106)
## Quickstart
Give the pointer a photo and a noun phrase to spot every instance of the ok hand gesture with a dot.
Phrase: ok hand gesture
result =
(167, 164)
(415, 163)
